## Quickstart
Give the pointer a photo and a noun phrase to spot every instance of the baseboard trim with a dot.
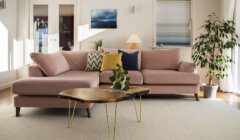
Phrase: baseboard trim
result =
(8, 85)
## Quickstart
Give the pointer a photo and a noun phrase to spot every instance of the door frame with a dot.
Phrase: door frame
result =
(53, 16)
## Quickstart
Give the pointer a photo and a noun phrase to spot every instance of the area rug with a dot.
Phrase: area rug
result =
(163, 119)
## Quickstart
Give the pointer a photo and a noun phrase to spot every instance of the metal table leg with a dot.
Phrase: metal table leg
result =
(70, 118)
(138, 116)
(114, 125)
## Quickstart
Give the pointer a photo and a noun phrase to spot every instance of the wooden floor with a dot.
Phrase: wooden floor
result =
(6, 98)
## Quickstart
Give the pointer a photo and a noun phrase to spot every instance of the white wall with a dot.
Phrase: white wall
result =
(8, 17)
(23, 20)
(23, 30)
(141, 22)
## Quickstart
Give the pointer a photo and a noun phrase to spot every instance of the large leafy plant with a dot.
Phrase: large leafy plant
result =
(217, 35)
(120, 79)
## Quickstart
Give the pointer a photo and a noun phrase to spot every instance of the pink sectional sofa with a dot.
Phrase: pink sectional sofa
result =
(161, 71)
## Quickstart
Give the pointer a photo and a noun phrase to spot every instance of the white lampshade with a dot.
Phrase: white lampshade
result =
(134, 39)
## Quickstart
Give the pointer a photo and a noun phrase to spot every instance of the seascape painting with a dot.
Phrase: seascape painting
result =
(103, 18)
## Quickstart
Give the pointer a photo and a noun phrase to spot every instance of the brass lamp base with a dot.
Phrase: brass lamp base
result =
(134, 46)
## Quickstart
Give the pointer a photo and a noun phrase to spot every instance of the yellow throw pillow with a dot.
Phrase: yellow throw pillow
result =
(110, 61)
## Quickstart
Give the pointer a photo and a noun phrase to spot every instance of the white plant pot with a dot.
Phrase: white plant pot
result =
(210, 91)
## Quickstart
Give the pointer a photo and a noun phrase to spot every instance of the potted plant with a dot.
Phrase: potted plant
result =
(217, 36)
(97, 44)
(120, 79)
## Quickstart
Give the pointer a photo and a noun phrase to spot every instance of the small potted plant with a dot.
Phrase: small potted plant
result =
(120, 79)
(217, 36)
(97, 44)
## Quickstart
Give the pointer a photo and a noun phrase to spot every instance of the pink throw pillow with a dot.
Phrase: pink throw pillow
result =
(51, 64)
(108, 50)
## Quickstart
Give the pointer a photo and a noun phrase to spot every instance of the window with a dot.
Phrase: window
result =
(173, 23)
(3, 48)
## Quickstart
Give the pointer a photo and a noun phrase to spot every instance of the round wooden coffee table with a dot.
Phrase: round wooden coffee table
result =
(98, 95)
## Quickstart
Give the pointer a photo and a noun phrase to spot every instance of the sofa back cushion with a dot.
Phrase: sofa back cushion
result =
(51, 64)
(160, 59)
(77, 60)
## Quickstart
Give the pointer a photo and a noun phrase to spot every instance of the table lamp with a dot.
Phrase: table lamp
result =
(134, 40)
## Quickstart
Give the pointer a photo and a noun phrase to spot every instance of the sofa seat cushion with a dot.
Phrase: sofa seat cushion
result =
(136, 77)
(167, 77)
(54, 85)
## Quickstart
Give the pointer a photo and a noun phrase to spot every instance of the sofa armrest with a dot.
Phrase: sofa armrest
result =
(35, 71)
(187, 67)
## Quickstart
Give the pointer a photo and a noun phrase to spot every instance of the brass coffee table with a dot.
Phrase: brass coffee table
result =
(98, 95)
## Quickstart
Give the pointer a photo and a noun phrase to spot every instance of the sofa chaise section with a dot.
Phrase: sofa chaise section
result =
(42, 91)
(52, 86)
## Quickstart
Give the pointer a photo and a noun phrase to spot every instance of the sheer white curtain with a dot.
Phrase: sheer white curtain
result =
(236, 68)
(230, 11)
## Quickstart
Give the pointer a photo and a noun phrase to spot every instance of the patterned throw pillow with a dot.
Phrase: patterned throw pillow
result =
(94, 61)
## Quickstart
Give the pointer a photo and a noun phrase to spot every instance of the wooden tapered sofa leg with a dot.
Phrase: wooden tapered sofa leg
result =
(88, 113)
(18, 111)
(196, 96)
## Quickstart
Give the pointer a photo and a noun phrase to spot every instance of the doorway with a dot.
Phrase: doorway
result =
(52, 24)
